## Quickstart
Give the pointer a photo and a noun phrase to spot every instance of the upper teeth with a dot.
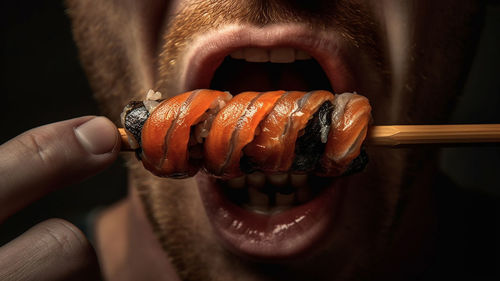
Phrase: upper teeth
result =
(277, 55)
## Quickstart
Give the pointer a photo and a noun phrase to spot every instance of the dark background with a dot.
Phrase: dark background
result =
(42, 82)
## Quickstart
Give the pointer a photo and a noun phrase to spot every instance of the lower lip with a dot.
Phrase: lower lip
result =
(283, 236)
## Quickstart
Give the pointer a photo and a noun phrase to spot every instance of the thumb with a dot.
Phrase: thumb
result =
(48, 157)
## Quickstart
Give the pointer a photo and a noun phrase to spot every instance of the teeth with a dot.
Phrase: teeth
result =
(256, 180)
(298, 180)
(238, 54)
(236, 183)
(278, 55)
(301, 55)
(282, 55)
(256, 55)
(287, 190)
(284, 199)
(303, 194)
(278, 180)
(257, 198)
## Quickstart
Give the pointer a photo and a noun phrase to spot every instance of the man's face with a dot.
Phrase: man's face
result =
(407, 57)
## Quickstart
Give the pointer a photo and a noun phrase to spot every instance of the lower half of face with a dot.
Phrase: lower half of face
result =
(407, 58)
(354, 227)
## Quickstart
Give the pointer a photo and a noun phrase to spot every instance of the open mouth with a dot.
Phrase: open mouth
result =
(269, 216)
(260, 69)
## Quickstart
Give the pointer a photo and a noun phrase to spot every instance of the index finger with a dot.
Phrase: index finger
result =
(45, 158)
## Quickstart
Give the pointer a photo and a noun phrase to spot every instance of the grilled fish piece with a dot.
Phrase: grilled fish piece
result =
(173, 129)
(233, 128)
(350, 121)
(274, 149)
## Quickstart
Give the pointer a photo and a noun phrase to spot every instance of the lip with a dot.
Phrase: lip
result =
(277, 237)
(207, 51)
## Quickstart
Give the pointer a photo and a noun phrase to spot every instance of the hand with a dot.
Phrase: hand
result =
(35, 163)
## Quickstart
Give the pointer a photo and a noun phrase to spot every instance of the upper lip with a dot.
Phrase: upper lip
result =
(206, 52)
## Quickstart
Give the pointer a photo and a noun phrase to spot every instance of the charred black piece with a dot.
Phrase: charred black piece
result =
(136, 115)
(309, 148)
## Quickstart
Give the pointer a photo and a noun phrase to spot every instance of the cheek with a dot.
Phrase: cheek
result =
(176, 207)
(371, 200)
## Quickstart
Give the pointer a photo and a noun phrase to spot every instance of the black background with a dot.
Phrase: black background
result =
(43, 82)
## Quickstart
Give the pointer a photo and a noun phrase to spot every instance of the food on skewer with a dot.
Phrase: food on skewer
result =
(173, 132)
(274, 148)
(348, 131)
(274, 132)
(233, 128)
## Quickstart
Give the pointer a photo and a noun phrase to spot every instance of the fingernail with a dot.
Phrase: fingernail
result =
(97, 136)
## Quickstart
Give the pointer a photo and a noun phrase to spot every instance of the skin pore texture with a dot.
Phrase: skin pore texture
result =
(406, 57)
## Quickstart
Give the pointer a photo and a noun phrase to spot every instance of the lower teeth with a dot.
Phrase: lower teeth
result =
(271, 194)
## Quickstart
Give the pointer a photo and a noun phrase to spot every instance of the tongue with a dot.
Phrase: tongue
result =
(238, 76)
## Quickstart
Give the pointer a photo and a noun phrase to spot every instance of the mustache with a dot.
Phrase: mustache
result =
(353, 21)
(265, 12)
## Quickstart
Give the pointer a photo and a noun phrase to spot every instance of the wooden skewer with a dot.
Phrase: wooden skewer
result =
(397, 135)
(125, 144)
(433, 134)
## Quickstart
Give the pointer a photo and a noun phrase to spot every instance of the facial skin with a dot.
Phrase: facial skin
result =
(408, 57)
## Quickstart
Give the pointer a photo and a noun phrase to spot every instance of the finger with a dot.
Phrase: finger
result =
(52, 250)
(47, 157)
